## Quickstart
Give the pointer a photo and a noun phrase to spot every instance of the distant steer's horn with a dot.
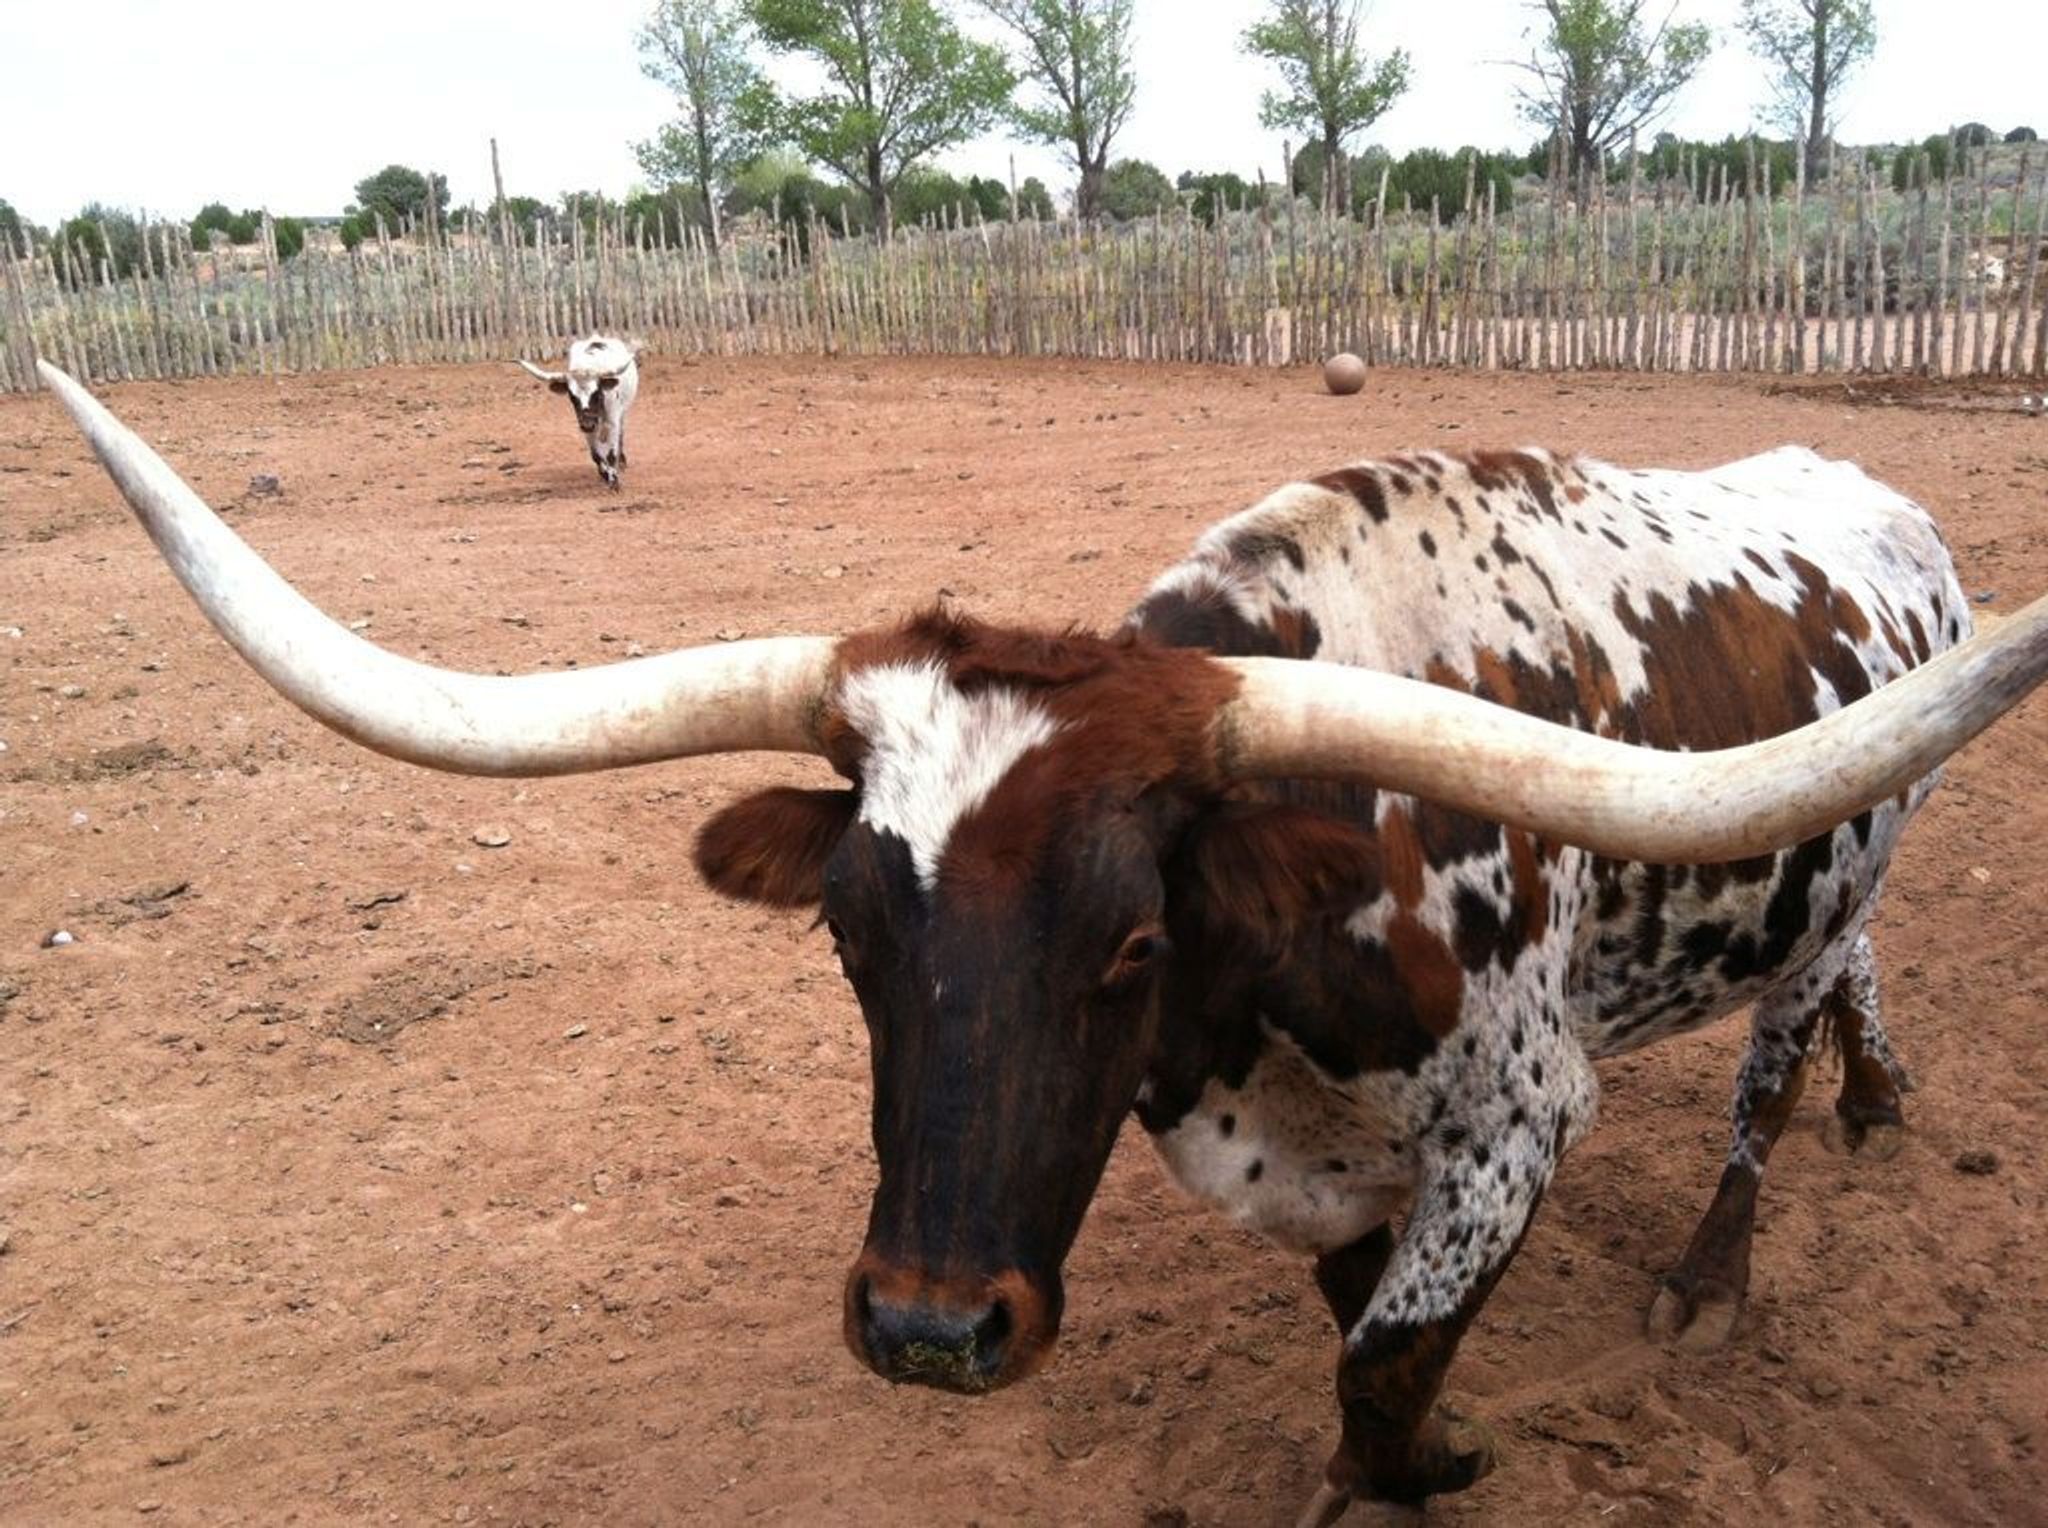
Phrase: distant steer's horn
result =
(1291, 718)
(763, 694)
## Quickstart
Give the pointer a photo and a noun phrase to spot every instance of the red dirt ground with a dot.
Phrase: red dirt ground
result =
(351, 1170)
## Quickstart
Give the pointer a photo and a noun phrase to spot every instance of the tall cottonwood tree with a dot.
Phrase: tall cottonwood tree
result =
(902, 82)
(698, 49)
(1812, 46)
(1330, 88)
(1602, 73)
(1077, 53)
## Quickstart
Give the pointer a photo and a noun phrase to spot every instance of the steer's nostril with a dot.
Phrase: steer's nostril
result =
(863, 1301)
(992, 1334)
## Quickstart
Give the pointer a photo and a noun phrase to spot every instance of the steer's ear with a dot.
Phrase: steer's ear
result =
(1253, 873)
(772, 846)
(558, 384)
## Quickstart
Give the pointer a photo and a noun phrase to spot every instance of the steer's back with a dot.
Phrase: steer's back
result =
(1684, 610)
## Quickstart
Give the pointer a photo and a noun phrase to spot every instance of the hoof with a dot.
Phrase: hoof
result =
(1324, 1508)
(1450, 1453)
(1331, 1506)
(1878, 1142)
(1698, 1322)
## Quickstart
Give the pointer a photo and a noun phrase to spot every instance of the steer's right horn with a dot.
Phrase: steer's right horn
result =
(545, 376)
(764, 694)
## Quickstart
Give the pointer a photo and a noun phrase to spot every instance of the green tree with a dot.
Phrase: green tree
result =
(1077, 56)
(1811, 46)
(902, 83)
(396, 193)
(698, 49)
(1600, 73)
(1132, 188)
(1331, 89)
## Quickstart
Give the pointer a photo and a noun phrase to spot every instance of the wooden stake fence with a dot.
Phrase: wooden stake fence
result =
(1714, 275)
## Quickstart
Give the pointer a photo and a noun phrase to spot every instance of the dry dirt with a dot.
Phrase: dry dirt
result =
(353, 1170)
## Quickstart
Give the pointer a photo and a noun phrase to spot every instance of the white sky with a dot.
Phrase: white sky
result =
(168, 104)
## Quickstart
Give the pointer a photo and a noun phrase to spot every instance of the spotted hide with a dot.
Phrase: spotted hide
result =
(1328, 1004)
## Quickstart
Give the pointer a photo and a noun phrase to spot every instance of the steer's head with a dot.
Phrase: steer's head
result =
(997, 873)
(585, 390)
(991, 881)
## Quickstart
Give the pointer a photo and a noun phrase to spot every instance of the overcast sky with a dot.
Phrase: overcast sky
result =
(164, 106)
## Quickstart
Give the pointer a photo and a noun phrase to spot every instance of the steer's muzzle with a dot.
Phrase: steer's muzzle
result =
(964, 1334)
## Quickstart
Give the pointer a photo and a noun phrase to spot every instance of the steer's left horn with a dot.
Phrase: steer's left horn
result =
(763, 694)
(1320, 719)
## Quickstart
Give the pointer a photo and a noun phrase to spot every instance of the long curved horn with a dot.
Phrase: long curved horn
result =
(545, 376)
(1320, 719)
(764, 694)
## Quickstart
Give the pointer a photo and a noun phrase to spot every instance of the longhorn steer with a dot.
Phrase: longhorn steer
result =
(1417, 789)
(601, 381)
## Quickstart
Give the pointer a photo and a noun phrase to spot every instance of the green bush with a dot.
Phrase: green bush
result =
(215, 217)
(397, 192)
(95, 235)
(1428, 173)
(1132, 188)
(935, 194)
(1216, 194)
(2023, 135)
(1906, 163)
(13, 228)
(1777, 163)
(1034, 202)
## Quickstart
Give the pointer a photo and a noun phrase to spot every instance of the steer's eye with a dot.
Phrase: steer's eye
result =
(1139, 952)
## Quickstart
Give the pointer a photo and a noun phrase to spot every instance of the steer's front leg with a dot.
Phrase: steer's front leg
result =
(1475, 1203)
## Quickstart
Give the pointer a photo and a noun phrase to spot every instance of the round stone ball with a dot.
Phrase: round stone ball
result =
(1344, 374)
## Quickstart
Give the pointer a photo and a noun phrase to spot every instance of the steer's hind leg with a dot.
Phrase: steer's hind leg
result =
(1701, 1298)
(1868, 1120)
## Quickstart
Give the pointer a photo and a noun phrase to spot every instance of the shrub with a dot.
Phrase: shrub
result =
(1905, 164)
(99, 234)
(399, 192)
(13, 227)
(1034, 202)
(1428, 173)
(1216, 194)
(1776, 158)
(1132, 188)
(2023, 135)
(290, 235)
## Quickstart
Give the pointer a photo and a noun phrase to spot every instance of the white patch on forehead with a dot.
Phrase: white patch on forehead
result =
(934, 754)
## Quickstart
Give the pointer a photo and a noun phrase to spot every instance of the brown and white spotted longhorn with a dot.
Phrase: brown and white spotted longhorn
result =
(1413, 792)
(601, 381)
